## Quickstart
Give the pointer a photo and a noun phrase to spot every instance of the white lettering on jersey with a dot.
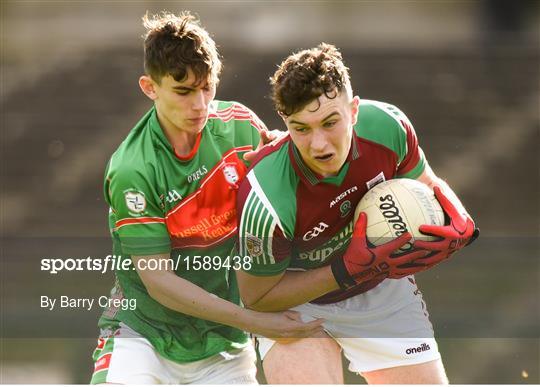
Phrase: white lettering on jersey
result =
(197, 174)
(342, 196)
(315, 231)
(173, 196)
(321, 253)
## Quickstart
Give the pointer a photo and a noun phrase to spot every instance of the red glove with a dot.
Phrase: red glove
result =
(459, 233)
(363, 261)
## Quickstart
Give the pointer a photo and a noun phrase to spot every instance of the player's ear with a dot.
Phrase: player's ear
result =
(283, 117)
(148, 87)
(355, 103)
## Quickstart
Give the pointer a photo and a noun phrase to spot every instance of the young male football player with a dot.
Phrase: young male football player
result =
(171, 187)
(297, 205)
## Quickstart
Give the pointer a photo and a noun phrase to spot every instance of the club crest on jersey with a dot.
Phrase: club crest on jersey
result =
(135, 201)
(345, 208)
(254, 245)
(231, 174)
(376, 180)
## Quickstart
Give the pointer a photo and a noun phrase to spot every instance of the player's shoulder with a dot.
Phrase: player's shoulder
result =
(273, 163)
(222, 112)
(377, 115)
(381, 123)
(135, 157)
(268, 182)
(231, 123)
(222, 107)
(121, 171)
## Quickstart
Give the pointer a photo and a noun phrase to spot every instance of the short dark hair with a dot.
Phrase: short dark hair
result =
(173, 44)
(306, 75)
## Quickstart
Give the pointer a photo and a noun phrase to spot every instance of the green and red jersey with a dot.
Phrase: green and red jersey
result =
(186, 206)
(293, 219)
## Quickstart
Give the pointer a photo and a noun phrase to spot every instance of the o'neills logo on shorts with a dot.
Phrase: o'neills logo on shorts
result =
(422, 348)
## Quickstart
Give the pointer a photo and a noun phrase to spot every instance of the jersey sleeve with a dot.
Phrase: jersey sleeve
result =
(256, 126)
(388, 126)
(412, 161)
(137, 216)
(260, 234)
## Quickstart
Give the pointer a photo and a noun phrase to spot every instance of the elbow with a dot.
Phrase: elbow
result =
(253, 302)
(153, 293)
(258, 305)
(249, 303)
(152, 288)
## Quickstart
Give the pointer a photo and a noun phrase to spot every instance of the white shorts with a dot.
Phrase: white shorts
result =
(129, 358)
(385, 327)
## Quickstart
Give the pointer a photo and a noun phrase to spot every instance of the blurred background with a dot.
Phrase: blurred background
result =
(465, 72)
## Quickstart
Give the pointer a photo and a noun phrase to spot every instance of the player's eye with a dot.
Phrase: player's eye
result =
(329, 124)
(300, 129)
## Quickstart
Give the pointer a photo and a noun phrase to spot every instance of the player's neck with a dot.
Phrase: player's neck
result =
(182, 141)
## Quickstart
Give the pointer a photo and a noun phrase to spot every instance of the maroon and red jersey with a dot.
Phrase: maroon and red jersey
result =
(292, 219)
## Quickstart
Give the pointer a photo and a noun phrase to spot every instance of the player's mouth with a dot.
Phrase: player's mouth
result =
(197, 120)
(324, 158)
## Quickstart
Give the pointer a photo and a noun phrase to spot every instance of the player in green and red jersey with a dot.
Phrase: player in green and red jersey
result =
(297, 206)
(171, 186)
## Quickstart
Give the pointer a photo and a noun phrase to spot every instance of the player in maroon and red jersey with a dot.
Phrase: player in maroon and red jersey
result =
(297, 205)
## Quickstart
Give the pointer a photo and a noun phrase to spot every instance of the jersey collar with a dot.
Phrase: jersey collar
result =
(308, 176)
(155, 127)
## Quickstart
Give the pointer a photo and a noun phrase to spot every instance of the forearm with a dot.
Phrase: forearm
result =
(296, 288)
(431, 180)
(450, 194)
(183, 296)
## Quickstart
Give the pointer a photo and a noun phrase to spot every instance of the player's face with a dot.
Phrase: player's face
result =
(183, 105)
(322, 132)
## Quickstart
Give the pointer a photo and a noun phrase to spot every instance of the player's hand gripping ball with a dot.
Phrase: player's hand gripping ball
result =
(458, 232)
(387, 222)
(397, 206)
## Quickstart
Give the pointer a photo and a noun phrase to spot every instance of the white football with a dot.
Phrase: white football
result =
(397, 206)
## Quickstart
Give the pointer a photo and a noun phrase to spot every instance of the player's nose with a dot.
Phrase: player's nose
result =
(199, 101)
(318, 141)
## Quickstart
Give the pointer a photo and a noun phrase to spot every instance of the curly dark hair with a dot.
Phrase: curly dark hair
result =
(173, 44)
(306, 75)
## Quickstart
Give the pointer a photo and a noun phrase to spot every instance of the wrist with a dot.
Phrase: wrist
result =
(249, 320)
(341, 274)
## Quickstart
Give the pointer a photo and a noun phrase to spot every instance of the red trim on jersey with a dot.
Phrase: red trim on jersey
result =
(193, 151)
(101, 343)
(103, 362)
(413, 153)
(269, 148)
(237, 112)
(146, 219)
(245, 148)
